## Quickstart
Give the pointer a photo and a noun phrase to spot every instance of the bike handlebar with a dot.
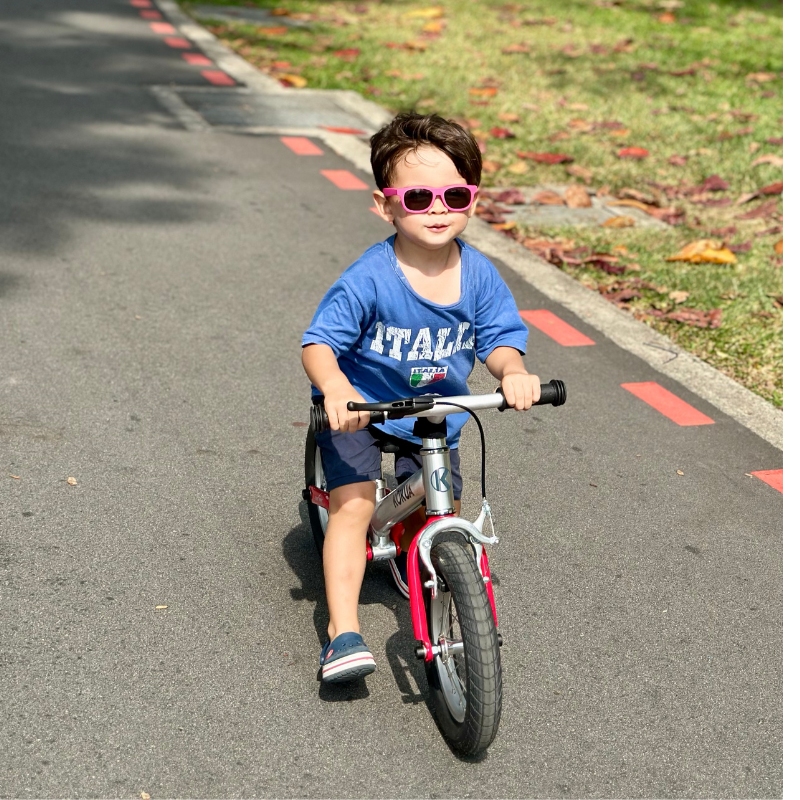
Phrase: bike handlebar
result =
(553, 393)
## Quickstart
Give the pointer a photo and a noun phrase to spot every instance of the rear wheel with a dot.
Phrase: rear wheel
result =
(315, 476)
(465, 678)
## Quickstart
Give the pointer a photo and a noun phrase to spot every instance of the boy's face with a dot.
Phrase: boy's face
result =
(438, 226)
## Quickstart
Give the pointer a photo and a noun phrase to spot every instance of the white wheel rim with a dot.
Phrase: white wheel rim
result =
(453, 689)
(320, 483)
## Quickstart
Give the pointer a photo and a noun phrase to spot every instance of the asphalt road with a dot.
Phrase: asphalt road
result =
(154, 285)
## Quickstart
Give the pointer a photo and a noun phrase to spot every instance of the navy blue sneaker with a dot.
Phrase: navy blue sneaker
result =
(399, 568)
(345, 659)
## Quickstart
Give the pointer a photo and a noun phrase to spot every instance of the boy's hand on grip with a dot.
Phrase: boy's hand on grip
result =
(521, 390)
(340, 418)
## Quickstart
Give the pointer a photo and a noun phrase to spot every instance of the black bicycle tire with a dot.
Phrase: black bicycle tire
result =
(455, 562)
(317, 528)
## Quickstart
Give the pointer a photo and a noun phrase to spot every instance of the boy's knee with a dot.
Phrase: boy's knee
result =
(353, 500)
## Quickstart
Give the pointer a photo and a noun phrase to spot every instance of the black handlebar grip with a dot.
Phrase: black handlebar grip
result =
(320, 421)
(553, 393)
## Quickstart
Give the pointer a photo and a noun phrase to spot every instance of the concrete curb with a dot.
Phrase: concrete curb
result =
(733, 399)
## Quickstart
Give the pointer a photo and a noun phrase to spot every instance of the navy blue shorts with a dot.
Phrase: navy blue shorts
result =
(356, 458)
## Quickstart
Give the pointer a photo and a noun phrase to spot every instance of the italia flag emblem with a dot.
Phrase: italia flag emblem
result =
(422, 376)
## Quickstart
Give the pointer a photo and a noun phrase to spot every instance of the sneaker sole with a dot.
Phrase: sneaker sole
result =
(348, 668)
(398, 581)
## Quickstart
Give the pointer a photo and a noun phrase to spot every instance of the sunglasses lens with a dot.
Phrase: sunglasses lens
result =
(418, 199)
(458, 197)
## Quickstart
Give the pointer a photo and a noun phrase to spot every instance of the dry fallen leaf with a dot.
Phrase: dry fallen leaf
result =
(508, 117)
(778, 248)
(483, 91)
(708, 251)
(432, 12)
(145, 796)
(490, 167)
(579, 172)
(15, 477)
(160, 608)
(505, 226)
(679, 296)
(633, 152)
(621, 133)
(577, 197)
(502, 133)
(433, 27)
(279, 31)
(72, 481)
(768, 158)
(287, 79)
(548, 199)
(545, 158)
(517, 168)
(631, 203)
(761, 77)
(516, 48)
(680, 472)
(619, 222)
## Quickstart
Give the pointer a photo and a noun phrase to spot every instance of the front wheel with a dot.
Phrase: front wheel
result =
(315, 476)
(465, 678)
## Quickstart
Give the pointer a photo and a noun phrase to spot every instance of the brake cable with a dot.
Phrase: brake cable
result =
(483, 440)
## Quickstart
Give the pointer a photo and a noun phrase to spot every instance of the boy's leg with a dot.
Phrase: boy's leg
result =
(344, 555)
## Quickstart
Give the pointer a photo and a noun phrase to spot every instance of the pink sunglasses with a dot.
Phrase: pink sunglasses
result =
(419, 199)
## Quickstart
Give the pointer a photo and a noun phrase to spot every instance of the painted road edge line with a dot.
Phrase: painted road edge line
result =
(344, 179)
(772, 477)
(667, 403)
(553, 326)
(301, 146)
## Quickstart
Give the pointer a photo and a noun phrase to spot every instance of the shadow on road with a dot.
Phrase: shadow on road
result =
(409, 674)
(83, 138)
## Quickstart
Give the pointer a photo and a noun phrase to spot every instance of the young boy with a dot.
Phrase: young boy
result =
(407, 318)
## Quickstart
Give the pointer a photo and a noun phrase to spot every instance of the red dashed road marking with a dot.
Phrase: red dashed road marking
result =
(667, 403)
(336, 129)
(218, 77)
(301, 146)
(177, 41)
(774, 477)
(151, 14)
(197, 59)
(141, 3)
(343, 179)
(162, 28)
(555, 327)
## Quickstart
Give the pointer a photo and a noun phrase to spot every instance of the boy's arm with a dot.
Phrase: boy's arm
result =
(521, 389)
(323, 370)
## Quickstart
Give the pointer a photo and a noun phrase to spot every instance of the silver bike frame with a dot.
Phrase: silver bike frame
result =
(433, 484)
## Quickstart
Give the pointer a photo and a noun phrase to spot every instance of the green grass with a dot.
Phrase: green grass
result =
(748, 345)
(579, 71)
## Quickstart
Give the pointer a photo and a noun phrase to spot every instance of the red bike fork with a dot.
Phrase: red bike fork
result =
(419, 619)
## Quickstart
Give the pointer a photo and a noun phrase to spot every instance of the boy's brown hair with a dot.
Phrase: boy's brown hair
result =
(407, 132)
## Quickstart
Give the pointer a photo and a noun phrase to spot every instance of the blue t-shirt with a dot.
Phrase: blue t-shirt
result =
(390, 342)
